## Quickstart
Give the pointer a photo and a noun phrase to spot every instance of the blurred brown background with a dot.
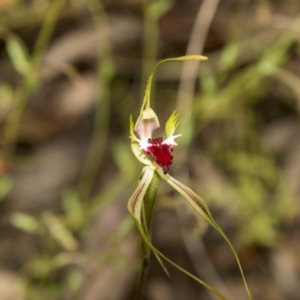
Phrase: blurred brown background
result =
(71, 73)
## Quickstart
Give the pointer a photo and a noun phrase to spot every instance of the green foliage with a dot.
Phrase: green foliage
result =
(229, 57)
(6, 184)
(25, 223)
(18, 54)
(252, 190)
(158, 8)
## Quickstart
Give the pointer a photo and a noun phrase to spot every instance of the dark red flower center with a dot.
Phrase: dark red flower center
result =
(161, 153)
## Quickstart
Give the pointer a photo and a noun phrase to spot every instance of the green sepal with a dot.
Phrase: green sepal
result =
(135, 205)
(136, 200)
(172, 124)
(146, 100)
(135, 147)
(131, 130)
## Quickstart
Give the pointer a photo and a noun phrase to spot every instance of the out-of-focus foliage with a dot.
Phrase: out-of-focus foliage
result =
(71, 72)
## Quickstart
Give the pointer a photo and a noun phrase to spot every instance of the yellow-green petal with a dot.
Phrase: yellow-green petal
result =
(172, 124)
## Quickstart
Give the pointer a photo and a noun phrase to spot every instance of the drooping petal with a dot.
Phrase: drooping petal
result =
(134, 206)
(200, 206)
(197, 203)
(135, 202)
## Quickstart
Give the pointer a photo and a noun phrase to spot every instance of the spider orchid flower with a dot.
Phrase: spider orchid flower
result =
(153, 151)
(156, 154)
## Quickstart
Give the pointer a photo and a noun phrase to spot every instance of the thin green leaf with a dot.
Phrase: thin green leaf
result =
(199, 205)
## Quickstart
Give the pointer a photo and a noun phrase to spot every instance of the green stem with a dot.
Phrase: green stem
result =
(11, 128)
(148, 205)
(105, 73)
(47, 30)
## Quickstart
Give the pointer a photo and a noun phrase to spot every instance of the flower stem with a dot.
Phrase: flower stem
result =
(148, 205)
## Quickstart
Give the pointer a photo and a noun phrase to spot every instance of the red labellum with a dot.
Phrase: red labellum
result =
(161, 153)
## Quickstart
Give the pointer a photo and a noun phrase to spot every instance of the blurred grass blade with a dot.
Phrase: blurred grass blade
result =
(6, 184)
(229, 57)
(158, 8)
(18, 54)
(208, 80)
(74, 209)
(60, 232)
(25, 222)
